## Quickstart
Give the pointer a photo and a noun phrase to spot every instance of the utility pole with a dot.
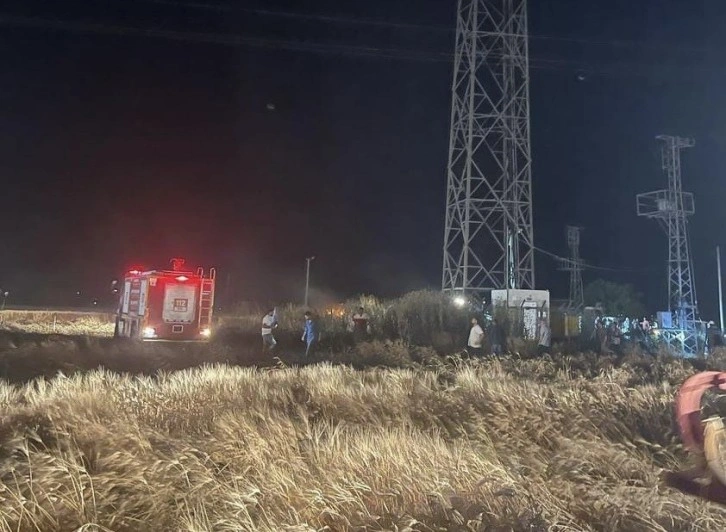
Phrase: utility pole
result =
(308, 260)
(574, 265)
(488, 235)
(720, 288)
(671, 208)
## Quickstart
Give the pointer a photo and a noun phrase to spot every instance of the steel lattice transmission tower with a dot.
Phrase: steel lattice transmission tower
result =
(574, 265)
(671, 207)
(488, 239)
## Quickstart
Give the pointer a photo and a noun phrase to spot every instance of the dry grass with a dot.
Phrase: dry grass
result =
(422, 442)
(70, 323)
(463, 446)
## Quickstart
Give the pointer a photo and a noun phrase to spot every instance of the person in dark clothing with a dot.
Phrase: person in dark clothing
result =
(616, 338)
(545, 337)
(601, 337)
(361, 327)
(496, 337)
(714, 336)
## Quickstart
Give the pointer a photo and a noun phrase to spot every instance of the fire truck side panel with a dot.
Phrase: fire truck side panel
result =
(126, 295)
(132, 308)
(135, 297)
(154, 305)
(143, 297)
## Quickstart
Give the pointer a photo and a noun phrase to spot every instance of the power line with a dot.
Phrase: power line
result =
(238, 40)
(226, 8)
(535, 63)
(337, 19)
(567, 260)
(223, 39)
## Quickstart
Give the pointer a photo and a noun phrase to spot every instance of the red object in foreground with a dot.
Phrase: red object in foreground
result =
(166, 305)
(702, 437)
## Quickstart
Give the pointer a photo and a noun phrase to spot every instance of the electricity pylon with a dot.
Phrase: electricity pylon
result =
(489, 237)
(574, 265)
(671, 208)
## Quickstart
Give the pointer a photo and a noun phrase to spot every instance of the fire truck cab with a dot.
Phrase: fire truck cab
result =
(172, 305)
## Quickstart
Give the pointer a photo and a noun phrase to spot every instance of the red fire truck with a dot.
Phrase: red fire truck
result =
(171, 304)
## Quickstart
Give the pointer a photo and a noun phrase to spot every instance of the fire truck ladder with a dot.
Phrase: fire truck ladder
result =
(206, 299)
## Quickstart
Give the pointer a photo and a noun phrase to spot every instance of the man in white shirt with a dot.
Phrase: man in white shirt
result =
(269, 322)
(476, 339)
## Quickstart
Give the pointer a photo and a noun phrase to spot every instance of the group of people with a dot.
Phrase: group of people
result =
(610, 337)
(498, 340)
(310, 336)
(359, 325)
(607, 336)
(475, 345)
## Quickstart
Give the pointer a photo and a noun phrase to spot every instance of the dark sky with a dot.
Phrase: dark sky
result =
(119, 149)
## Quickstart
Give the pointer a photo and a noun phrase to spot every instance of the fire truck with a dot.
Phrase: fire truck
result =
(172, 305)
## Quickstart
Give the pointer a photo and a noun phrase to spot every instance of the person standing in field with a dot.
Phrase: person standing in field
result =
(615, 337)
(545, 338)
(601, 337)
(311, 334)
(645, 325)
(496, 337)
(361, 327)
(269, 323)
(476, 339)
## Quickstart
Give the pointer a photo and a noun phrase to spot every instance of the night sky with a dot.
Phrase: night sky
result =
(118, 149)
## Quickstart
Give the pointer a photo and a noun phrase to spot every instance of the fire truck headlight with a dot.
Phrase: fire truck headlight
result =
(149, 332)
(206, 332)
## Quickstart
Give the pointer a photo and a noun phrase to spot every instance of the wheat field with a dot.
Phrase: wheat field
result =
(393, 434)
(454, 445)
(71, 323)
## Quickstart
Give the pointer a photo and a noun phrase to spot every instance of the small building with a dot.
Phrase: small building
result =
(523, 309)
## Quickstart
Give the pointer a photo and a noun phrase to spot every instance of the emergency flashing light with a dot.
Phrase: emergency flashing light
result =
(459, 301)
(206, 332)
(149, 332)
(134, 272)
(182, 278)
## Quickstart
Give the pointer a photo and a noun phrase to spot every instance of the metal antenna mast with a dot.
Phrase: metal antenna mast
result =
(574, 265)
(488, 237)
(671, 207)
